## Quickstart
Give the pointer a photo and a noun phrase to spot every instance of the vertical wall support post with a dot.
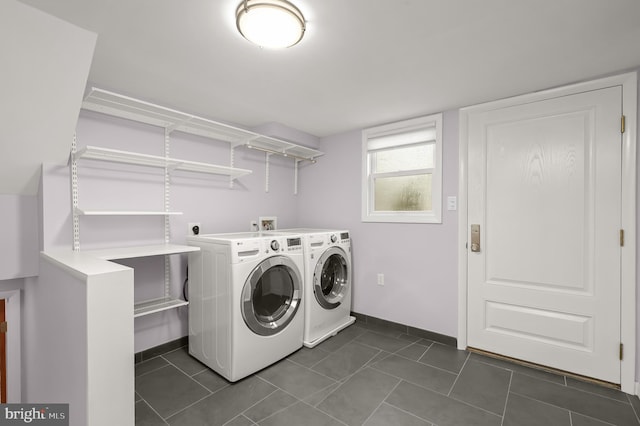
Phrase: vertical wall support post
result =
(266, 168)
(74, 195)
(167, 223)
(295, 177)
(231, 162)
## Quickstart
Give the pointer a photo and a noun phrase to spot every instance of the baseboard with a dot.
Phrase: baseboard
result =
(161, 349)
(360, 319)
(406, 329)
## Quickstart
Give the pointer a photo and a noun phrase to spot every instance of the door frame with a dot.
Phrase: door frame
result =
(14, 335)
(629, 83)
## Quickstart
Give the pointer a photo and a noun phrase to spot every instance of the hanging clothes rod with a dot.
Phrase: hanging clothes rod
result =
(284, 154)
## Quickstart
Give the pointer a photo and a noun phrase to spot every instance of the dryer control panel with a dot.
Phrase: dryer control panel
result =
(294, 244)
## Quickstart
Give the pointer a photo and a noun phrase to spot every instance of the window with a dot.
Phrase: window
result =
(402, 171)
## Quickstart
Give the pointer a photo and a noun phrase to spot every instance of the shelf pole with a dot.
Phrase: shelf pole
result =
(74, 195)
(266, 168)
(231, 160)
(167, 223)
(295, 177)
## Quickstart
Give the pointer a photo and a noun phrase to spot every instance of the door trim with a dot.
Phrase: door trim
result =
(629, 83)
(14, 354)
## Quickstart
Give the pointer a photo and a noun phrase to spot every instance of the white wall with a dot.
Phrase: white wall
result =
(45, 64)
(419, 261)
(18, 236)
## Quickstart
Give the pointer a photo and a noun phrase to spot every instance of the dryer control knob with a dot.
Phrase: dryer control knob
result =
(334, 238)
(275, 245)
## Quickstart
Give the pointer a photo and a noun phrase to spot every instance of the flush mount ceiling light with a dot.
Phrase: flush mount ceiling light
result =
(270, 23)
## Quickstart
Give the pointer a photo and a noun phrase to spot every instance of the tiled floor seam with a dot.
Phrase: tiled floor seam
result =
(633, 407)
(453, 385)
(155, 369)
(258, 402)
(566, 409)
(349, 376)
(571, 413)
(204, 368)
(380, 349)
(423, 363)
(409, 413)
(320, 391)
(382, 402)
(153, 409)
(188, 406)
(189, 376)
(308, 396)
(323, 412)
(470, 405)
(602, 396)
(506, 400)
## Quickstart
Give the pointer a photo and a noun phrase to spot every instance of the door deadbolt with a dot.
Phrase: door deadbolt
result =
(475, 238)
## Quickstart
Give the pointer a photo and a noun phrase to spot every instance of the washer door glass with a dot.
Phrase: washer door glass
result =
(271, 295)
(331, 278)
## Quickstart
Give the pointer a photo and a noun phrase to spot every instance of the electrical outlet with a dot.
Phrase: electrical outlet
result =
(380, 279)
(193, 228)
(253, 225)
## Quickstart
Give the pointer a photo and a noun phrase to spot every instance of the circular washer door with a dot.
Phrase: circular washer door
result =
(271, 295)
(331, 278)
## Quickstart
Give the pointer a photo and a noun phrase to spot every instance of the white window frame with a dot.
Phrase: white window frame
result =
(397, 130)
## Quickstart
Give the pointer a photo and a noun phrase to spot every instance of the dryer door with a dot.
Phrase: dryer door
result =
(331, 278)
(271, 295)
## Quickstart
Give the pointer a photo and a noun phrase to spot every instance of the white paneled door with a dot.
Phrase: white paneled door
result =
(544, 188)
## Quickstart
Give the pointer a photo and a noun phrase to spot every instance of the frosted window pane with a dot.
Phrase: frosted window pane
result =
(405, 158)
(404, 193)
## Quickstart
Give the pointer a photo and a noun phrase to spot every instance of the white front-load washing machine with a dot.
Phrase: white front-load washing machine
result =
(327, 295)
(245, 301)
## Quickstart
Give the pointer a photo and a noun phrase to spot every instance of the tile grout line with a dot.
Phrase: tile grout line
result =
(633, 406)
(409, 412)
(152, 409)
(190, 405)
(239, 415)
(288, 393)
(566, 409)
(325, 413)
(242, 413)
(154, 370)
(458, 375)
(381, 402)
(184, 372)
(506, 400)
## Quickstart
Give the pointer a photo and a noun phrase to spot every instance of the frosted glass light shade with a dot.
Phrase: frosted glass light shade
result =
(270, 23)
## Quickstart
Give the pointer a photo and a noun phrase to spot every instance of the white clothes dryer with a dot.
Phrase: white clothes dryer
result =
(327, 295)
(245, 301)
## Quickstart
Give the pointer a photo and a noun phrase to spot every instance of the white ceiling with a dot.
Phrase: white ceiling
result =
(361, 62)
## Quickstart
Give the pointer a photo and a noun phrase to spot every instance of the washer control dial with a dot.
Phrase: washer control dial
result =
(275, 245)
(334, 238)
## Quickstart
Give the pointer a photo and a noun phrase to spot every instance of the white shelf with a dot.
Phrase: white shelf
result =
(110, 103)
(82, 212)
(140, 251)
(157, 305)
(126, 157)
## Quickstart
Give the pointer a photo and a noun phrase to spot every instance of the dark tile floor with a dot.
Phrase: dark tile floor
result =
(374, 376)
